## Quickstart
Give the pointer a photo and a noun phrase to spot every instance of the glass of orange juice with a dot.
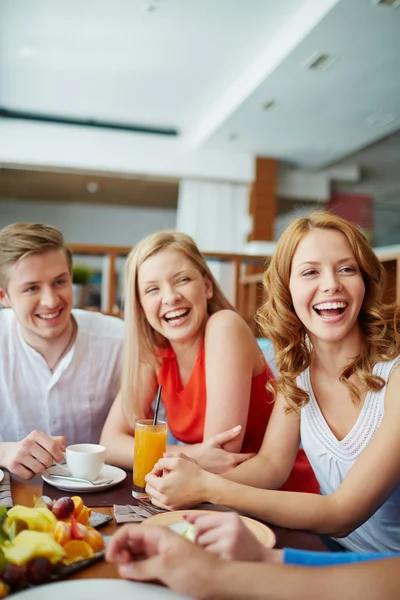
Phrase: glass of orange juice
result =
(150, 445)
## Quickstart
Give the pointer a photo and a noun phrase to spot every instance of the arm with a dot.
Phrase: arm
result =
(117, 436)
(372, 479)
(118, 433)
(271, 467)
(232, 357)
(174, 483)
(238, 580)
(146, 553)
(355, 500)
(32, 455)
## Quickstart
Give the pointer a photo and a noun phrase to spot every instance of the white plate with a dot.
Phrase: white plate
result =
(175, 521)
(1, 475)
(107, 472)
(98, 589)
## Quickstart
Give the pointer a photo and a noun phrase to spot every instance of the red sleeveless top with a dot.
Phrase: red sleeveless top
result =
(186, 411)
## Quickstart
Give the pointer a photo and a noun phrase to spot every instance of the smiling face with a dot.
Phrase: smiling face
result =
(326, 285)
(39, 289)
(173, 295)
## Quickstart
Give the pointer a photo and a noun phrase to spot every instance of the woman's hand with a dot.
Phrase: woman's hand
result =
(211, 456)
(226, 535)
(177, 482)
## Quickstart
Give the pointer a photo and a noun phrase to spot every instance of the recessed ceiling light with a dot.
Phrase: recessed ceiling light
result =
(319, 61)
(269, 105)
(150, 7)
(389, 3)
(92, 187)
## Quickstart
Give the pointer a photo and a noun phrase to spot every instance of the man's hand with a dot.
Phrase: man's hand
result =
(32, 455)
(145, 553)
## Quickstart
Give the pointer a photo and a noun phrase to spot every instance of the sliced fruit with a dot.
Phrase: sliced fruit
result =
(94, 539)
(62, 532)
(77, 550)
(76, 530)
(84, 515)
(38, 519)
(78, 504)
(28, 544)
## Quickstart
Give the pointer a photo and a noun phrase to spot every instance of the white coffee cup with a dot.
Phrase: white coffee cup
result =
(85, 460)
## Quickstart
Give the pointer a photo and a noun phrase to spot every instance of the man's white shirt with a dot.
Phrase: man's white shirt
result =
(74, 400)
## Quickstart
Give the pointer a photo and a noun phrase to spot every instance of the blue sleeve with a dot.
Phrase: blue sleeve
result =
(322, 559)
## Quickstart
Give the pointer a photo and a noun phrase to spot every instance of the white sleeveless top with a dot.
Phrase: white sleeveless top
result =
(332, 459)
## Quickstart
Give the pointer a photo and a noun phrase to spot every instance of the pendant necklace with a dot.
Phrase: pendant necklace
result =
(66, 347)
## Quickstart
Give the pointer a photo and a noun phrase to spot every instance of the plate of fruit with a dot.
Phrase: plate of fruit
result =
(47, 542)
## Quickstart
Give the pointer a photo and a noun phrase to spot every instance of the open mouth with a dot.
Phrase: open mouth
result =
(173, 316)
(50, 316)
(330, 310)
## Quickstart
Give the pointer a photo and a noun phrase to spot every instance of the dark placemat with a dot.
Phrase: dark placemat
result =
(119, 494)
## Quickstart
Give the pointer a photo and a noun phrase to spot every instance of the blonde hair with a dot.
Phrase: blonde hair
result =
(21, 239)
(142, 343)
(379, 323)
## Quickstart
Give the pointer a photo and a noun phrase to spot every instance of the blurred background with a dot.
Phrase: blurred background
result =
(221, 118)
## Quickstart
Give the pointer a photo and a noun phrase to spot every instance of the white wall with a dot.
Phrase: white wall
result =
(90, 224)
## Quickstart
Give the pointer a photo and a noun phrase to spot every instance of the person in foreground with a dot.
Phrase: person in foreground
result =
(235, 565)
(59, 368)
(183, 334)
(337, 348)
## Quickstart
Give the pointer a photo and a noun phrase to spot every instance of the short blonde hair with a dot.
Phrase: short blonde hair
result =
(21, 239)
(142, 343)
(379, 323)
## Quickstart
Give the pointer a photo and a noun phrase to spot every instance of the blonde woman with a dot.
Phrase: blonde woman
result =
(337, 350)
(183, 334)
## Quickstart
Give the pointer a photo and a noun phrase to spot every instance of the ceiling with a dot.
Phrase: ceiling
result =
(227, 75)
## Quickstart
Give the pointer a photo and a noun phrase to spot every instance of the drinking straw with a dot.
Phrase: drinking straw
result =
(157, 405)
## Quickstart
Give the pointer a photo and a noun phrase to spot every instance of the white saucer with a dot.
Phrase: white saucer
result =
(107, 472)
(1, 475)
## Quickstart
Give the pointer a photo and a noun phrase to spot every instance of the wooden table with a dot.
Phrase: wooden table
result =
(24, 491)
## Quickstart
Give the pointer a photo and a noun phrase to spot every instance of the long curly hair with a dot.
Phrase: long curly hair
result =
(143, 345)
(379, 323)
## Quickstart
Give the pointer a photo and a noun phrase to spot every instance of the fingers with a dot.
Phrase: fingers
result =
(180, 455)
(35, 453)
(125, 544)
(143, 570)
(61, 442)
(55, 446)
(226, 436)
(241, 458)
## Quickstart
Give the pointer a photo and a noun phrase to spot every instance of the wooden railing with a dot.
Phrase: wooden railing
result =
(241, 263)
(248, 275)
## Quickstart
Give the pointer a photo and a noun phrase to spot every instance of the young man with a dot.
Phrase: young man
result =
(59, 368)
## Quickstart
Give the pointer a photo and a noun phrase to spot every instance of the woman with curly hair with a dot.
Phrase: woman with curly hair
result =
(337, 348)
